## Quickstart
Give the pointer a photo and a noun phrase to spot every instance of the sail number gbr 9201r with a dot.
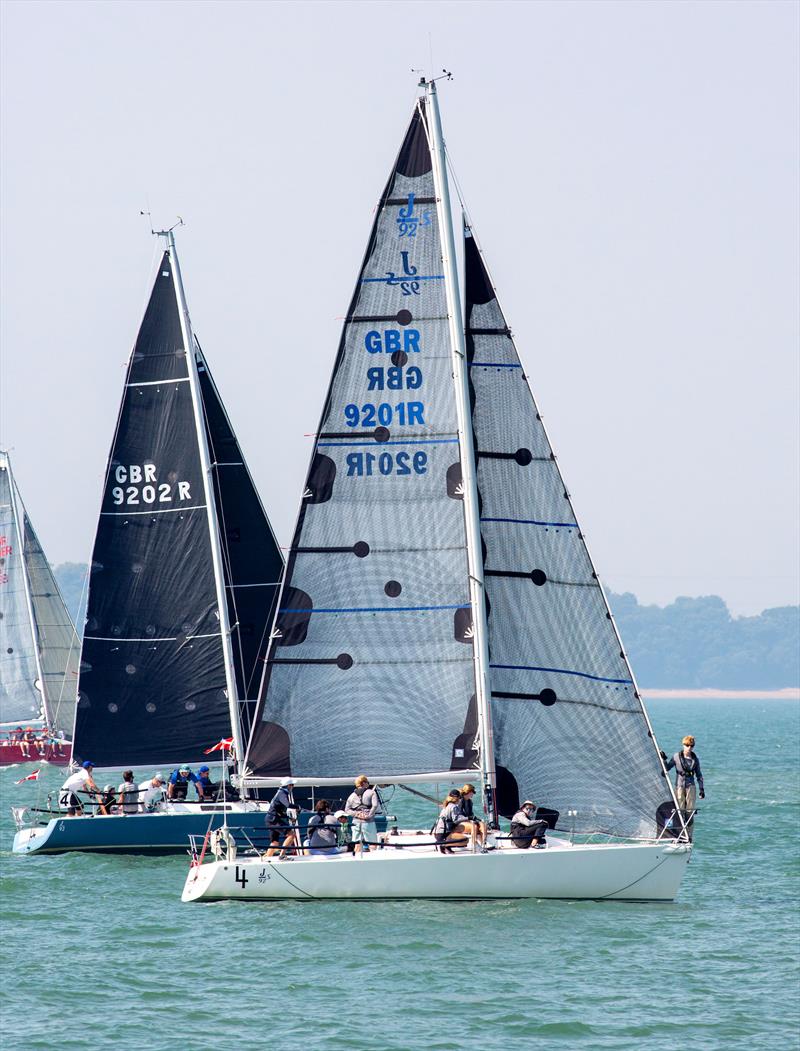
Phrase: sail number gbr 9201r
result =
(139, 484)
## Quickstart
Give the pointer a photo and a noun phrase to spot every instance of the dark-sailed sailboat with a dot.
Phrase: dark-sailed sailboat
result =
(39, 646)
(183, 580)
(440, 615)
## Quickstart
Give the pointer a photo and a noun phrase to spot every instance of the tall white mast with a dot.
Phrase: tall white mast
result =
(16, 505)
(466, 448)
(211, 506)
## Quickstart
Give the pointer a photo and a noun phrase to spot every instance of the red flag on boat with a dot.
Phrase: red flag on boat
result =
(31, 777)
(224, 745)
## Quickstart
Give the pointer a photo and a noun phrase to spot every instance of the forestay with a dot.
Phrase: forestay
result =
(153, 678)
(20, 700)
(371, 664)
(570, 730)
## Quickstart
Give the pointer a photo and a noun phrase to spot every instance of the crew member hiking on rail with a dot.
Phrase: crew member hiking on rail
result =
(447, 822)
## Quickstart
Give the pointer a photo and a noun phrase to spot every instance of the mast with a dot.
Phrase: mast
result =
(16, 501)
(466, 449)
(208, 490)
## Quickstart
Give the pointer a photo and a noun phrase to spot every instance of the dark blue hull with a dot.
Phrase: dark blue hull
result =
(135, 833)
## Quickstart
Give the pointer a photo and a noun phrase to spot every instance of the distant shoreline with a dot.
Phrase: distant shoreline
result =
(789, 693)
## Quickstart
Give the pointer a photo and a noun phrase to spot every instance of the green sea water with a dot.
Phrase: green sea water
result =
(99, 952)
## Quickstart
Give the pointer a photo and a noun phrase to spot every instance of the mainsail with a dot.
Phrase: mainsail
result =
(569, 727)
(371, 663)
(39, 645)
(156, 665)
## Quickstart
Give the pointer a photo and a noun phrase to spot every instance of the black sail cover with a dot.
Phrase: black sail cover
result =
(152, 680)
(570, 731)
(371, 662)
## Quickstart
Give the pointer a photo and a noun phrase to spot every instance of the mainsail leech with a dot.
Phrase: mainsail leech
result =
(570, 728)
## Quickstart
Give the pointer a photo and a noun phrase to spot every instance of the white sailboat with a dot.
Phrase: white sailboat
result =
(39, 646)
(440, 615)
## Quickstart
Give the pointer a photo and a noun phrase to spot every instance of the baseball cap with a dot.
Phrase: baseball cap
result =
(203, 770)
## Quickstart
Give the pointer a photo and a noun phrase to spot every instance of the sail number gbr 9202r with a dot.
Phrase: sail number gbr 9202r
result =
(139, 484)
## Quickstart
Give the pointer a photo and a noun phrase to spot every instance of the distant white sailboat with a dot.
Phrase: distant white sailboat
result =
(440, 615)
(39, 647)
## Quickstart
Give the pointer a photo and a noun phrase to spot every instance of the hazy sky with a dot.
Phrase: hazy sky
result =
(632, 173)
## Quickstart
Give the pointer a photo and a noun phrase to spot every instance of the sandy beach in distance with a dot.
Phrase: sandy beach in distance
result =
(789, 693)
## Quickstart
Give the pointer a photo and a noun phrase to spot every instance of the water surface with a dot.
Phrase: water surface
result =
(98, 952)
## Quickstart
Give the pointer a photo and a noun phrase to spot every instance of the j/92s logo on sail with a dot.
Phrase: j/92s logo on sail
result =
(139, 484)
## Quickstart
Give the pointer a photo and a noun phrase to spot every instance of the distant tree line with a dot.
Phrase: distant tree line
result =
(692, 642)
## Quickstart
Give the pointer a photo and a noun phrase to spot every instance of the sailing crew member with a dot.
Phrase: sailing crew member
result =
(344, 841)
(323, 830)
(525, 828)
(107, 800)
(27, 739)
(277, 820)
(469, 824)
(128, 801)
(179, 783)
(151, 793)
(688, 777)
(362, 805)
(205, 787)
(82, 781)
(448, 819)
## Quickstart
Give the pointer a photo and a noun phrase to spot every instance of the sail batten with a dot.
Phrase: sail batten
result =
(155, 680)
(370, 665)
(565, 704)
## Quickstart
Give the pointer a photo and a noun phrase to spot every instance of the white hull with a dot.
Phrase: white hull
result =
(623, 872)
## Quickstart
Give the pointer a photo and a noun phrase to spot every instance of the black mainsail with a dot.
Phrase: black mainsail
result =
(160, 677)
(38, 644)
(371, 664)
(569, 727)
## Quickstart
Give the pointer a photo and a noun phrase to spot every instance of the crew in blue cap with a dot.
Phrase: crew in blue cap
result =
(206, 789)
(81, 781)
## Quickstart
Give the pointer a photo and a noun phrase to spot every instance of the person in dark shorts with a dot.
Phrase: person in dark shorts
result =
(278, 822)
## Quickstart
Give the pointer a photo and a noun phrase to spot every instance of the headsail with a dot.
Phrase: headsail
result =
(252, 559)
(371, 664)
(56, 638)
(570, 730)
(20, 699)
(154, 680)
